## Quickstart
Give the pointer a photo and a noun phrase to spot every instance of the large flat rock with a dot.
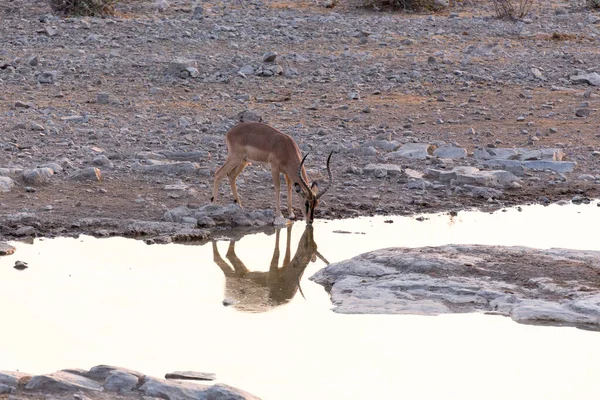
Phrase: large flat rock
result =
(170, 390)
(61, 382)
(555, 286)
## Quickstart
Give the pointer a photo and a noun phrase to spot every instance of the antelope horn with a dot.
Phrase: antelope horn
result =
(322, 192)
(322, 258)
(302, 181)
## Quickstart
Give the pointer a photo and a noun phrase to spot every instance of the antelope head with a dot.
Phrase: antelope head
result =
(311, 193)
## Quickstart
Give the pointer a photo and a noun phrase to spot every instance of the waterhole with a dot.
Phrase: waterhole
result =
(216, 308)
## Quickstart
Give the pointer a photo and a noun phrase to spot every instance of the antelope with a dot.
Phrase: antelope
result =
(255, 142)
(257, 291)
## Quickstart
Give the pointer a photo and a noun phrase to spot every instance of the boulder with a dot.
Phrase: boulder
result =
(555, 286)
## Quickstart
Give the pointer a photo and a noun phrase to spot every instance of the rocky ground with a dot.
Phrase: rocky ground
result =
(111, 122)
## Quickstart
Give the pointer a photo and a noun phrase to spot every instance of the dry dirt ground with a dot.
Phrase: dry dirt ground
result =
(463, 78)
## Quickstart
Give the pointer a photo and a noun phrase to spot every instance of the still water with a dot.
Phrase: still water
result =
(157, 309)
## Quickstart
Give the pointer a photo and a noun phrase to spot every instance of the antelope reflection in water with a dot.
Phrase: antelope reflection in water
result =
(257, 291)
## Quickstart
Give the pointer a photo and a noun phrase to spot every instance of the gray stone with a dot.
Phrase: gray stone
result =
(269, 57)
(102, 98)
(11, 378)
(420, 184)
(249, 116)
(383, 169)
(191, 375)
(225, 392)
(102, 161)
(120, 381)
(6, 184)
(25, 231)
(555, 286)
(168, 168)
(384, 145)
(513, 166)
(586, 177)
(488, 153)
(556, 166)
(37, 176)
(6, 250)
(170, 390)
(4, 389)
(496, 178)
(87, 174)
(450, 152)
(34, 126)
(74, 118)
(592, 79)
(483, 192)
(247, 70)
(61, 381)
(56, 168)
(102, 372)
(198, 12)
(412, 150)
(47, 77)
(199, 155)
(11, 172)
(182, 68)
(230, 215)
(473, 176)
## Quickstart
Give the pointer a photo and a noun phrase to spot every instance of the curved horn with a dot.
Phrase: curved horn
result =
(322, 192)
(302, 181)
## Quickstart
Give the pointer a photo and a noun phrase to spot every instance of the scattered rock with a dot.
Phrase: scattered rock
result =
(25, 231)
(20, 265)
(412, 150)
(37, 176)
(86, 174)
(249, 116)
(592, 78)
(6, 250)
(381, 170)
(191, 375)
(6, 184)
(450, 152)
(269, 57)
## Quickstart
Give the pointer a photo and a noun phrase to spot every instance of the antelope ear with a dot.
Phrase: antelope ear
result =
(314, 187)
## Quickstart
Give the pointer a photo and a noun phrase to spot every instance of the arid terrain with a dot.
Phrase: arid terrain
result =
(146, 97)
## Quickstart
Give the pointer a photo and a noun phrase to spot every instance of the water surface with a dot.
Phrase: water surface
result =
(159, 308)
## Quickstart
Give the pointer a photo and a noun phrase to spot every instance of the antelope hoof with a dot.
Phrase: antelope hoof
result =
(212, 199)
(281, 221)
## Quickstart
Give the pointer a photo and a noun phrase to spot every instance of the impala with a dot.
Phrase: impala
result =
(255, 142)
(258, 291)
